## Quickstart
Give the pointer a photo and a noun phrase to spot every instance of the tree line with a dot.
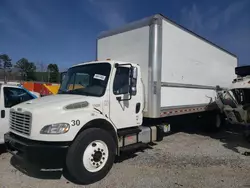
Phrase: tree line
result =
(28, 70)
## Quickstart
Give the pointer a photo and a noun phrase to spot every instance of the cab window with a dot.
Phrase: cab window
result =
(13, 96)
(121, 81)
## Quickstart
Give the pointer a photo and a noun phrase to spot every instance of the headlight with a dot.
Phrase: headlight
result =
(57, 128)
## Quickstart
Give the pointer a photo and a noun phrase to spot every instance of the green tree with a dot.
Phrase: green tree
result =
(53, 73)
(26, 68)
(5, 64)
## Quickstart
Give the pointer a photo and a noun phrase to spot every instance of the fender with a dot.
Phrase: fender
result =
(102, 122)
(89, 118)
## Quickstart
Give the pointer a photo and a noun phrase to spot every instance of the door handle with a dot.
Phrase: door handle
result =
(138, 107)
(2, 113)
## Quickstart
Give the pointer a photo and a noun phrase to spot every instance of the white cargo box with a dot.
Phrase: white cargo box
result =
(179, 68)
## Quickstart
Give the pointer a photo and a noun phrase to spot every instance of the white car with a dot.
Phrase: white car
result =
(11, 95)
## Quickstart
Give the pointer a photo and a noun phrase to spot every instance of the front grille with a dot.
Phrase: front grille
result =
(20, 122)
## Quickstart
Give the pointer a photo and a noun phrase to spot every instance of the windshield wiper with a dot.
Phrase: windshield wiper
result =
(78, 92)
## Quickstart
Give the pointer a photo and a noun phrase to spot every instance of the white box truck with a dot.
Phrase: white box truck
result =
(145, 72)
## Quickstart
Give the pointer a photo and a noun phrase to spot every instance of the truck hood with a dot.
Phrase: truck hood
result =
(53, 102)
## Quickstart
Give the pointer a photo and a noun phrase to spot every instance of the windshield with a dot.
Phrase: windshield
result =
(242, 95)
(90, 80)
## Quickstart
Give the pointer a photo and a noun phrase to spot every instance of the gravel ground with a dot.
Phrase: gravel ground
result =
(183, 159)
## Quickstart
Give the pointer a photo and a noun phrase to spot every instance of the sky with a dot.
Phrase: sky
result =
(64, 32)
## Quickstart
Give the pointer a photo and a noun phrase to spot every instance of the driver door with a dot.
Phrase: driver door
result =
(124, 113)
(231, 108)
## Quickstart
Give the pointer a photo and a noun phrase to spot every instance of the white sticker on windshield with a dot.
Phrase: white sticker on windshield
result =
(99, 77)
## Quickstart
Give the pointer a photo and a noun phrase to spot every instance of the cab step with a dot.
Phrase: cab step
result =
(135, 146)
(128, 131)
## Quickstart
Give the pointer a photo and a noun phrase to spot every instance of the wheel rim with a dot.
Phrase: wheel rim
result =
(218, 121)
(95, 156)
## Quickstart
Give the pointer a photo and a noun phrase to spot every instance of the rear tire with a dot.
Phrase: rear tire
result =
(91, 156)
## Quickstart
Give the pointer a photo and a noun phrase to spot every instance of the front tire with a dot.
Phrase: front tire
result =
(91, 156)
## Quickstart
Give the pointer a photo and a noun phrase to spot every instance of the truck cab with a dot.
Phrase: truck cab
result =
(107, 87)
(11, 95)
(234, 101)
(89, 91)
(97, 102)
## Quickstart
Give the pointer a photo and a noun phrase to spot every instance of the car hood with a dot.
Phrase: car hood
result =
(53, 102)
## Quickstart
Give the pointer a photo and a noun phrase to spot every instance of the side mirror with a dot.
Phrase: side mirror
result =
(134, 72)
(133, 81)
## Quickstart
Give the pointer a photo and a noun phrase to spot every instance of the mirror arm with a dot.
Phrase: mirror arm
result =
(120, 98)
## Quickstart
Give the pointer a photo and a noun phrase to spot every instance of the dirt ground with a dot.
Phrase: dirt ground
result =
(189, 158)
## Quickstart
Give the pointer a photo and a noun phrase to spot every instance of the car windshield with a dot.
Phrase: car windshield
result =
(90, 80)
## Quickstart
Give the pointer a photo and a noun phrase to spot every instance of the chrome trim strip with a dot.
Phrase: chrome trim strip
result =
(191, 86)
(183, 106)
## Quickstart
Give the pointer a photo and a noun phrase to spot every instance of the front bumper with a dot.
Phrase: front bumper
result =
(39, 152)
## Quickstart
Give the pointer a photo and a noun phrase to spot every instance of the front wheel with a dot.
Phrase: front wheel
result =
(91, 156)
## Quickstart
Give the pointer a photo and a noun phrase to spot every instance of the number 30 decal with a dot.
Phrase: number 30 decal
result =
(75, 122)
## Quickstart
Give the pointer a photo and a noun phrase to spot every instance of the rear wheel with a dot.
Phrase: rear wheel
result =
(91, 156)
